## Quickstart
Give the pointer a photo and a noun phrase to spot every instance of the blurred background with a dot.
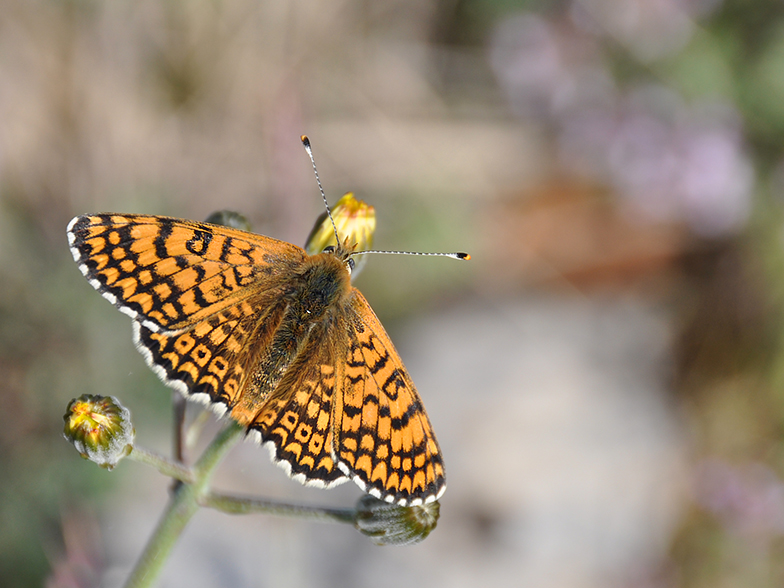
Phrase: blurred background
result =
(605, 377)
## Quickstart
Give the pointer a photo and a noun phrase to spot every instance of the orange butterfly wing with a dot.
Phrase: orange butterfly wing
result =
(297, 422)
(349, 402)
(212, 361)
(171, 274)
(384, 439)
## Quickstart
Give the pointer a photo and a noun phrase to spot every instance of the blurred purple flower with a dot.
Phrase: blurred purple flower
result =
(715, 180)
(525, 57)
(648, 29)
(642, 163)
(748, 499)
(544, 70)
(666, 161)
(688, 169)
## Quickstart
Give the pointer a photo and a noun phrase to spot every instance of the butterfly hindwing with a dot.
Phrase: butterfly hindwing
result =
(385, 440)
(171, 274)
(212, 358)
(297, 423)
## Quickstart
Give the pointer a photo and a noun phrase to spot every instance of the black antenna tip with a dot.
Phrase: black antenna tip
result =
(465, 256)
(305, 141)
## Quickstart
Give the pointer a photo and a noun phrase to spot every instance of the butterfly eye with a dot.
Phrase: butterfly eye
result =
(329, 249)
(350, 264)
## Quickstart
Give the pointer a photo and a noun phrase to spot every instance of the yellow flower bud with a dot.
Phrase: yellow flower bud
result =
(354, 219)
(100, 428)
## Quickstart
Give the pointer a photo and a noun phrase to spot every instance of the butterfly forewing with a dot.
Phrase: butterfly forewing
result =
(171, 274)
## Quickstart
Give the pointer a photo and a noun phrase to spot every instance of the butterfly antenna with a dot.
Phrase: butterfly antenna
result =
(458, 255)
(309, 149)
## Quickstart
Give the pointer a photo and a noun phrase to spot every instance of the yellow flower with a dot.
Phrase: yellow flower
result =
(354, 219)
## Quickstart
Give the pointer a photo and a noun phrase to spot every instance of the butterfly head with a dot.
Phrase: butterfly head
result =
(345, 253)
(352, 224)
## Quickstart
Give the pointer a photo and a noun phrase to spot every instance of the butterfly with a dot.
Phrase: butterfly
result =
(275, 338)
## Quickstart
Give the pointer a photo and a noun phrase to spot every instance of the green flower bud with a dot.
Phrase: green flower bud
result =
(100, 428)
(229, 218)
(392, 524)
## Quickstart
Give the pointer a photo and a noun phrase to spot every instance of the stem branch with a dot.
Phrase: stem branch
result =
(183, 504)
(166, 466)
(243, 505)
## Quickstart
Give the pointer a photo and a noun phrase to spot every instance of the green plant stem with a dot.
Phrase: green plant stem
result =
(242, 505)
(164, 465)
(183, 504)
(178, 413)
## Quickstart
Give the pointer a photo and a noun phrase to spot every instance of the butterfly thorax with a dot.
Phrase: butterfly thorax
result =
(308, 307)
